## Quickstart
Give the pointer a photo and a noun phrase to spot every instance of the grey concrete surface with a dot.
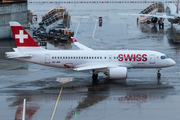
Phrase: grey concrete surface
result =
(11, 12)
(139, 97)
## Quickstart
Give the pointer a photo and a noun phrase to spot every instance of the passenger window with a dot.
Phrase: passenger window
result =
(55, 57)
(68, 57)
(60, 57)
(76, 57)
(71, 57)
(63, 57)
(52, 57)
(84, 57)
(81, 57)
(92, 57)
(97, 57)
(104, 57)
(89, 57)
(100, 57)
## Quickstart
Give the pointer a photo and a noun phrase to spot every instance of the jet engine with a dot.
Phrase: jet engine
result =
(154, 19)
(116, 73)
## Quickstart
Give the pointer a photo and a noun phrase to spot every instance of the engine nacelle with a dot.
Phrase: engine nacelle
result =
(116, 73)
(154, 19)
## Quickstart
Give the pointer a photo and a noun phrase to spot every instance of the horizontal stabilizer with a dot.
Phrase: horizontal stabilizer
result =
(17, 54)
(20, 56)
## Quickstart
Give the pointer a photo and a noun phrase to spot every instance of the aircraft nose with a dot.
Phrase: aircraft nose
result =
(172, 62)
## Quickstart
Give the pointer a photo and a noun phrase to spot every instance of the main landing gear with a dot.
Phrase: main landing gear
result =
(158, 74)
(161, 23)
(94, 76)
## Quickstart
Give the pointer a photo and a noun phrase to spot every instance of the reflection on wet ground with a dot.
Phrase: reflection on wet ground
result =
(108, 96)
(140, 96)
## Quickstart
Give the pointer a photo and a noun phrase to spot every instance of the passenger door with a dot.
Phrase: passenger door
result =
(47, 59)
(152, 59)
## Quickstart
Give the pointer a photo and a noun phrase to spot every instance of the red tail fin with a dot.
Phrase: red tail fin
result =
(22, 38)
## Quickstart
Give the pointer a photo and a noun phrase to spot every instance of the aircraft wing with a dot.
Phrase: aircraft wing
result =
(81, 46)
(148, 15)
(94, 66)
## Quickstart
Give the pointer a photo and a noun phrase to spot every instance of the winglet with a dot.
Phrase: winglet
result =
(73, 39)
(81, 46)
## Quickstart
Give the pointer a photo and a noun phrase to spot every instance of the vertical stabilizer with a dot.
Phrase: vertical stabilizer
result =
(22, 38)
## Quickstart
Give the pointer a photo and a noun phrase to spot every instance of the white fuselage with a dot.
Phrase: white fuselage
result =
(122, 58)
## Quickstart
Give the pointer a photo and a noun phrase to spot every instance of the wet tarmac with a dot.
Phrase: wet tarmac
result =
(139, 97)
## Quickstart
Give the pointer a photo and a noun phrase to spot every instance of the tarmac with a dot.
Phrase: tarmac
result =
(141, 96)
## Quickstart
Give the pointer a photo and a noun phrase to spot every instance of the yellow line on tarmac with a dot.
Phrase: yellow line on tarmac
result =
(56, 103)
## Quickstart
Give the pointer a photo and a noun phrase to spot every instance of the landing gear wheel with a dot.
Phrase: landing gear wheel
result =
(148, 21)
(161, 25)
(94, 77)
(159, 75)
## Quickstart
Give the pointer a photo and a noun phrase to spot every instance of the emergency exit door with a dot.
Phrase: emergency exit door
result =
(152, 59)
(47, 58)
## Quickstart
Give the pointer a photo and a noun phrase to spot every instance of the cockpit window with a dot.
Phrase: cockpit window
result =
(164, 57)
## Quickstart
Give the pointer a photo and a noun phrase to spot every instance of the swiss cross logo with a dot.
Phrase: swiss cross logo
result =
(74, 40)
(66, 66)
(21, 36)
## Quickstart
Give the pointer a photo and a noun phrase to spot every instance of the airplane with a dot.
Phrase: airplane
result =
(172, 14)
(113, 63)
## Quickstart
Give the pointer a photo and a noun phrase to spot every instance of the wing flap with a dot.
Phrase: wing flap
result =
(91, 67)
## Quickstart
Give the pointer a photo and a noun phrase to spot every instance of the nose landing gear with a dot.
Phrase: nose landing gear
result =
(158, 74)
(94, 76)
